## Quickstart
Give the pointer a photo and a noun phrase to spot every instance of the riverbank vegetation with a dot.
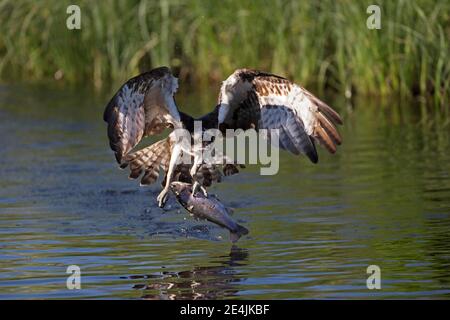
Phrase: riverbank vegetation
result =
(325, 45)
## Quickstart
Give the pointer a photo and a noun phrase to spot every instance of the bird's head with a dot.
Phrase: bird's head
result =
(232, 93)
(171, 107)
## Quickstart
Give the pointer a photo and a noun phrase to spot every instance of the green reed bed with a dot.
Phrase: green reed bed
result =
(322, 44)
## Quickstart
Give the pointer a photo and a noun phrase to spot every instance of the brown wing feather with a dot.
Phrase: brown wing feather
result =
(322, 136)
(324, 108)
(148, 161)
(329, 128)
(138, 109)
(279, 95)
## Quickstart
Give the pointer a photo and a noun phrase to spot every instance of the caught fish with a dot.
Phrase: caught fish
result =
(208, 208)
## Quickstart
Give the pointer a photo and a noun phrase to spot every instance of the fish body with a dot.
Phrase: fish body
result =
(207, 208)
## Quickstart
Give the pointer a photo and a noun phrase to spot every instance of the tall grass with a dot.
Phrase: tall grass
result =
(324, 44)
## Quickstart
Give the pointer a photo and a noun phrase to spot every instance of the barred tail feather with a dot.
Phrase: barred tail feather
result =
(148, 161)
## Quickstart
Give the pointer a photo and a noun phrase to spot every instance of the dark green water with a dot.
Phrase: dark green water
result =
(383, 199)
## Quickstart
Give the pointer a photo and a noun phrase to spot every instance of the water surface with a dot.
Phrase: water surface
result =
(383, 199)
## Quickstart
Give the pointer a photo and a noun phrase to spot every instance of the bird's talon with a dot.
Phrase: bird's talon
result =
(195, 187)
(162, 198)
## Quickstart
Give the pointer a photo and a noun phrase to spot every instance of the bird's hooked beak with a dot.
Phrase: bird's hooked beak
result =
(224, 109)
(223, 112)
(173, 110)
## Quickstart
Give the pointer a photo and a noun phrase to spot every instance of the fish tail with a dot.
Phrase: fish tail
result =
(238, 233)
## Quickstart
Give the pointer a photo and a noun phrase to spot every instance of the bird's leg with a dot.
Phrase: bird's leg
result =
(193, 172)
(198, 186)
(162, 197)
(196, 164)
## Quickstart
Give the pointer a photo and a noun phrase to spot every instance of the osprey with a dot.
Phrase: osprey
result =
(145, 106)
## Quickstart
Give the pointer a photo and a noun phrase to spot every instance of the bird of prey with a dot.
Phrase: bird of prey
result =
(145, 106)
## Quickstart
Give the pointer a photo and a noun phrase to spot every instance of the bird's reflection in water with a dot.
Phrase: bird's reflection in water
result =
(213, 282)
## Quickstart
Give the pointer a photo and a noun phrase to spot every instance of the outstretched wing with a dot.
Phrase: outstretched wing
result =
(143, 106)
(254, 99)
